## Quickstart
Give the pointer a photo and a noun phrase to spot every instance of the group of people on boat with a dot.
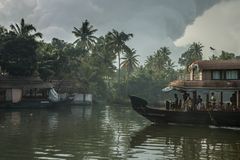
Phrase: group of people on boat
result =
(187, 103)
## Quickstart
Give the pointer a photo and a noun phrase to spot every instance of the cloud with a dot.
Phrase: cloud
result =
(218, 27)
(154, 23)
(55, 31)
(12, 10)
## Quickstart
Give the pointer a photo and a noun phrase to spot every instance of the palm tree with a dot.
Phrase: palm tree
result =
(24, 30)
(193, 53)
(149, 62)
(196, 49)
(104, 59)
(160, 58)
(213, 57)
(169, 72)
(226, 55)
(117, 42)
(130, 61)
(103, 52)
(85, 35)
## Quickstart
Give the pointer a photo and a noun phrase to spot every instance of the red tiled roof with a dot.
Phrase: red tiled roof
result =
(217, 64)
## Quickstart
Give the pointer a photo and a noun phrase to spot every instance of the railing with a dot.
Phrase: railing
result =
(184, 77)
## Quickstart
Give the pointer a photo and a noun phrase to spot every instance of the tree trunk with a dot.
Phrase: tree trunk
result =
(119, 73)
(118, 68)
(127, 83)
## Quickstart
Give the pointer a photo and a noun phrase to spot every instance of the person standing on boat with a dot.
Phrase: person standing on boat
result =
(175, 101)
(188, 103)
(184, 97)
(212, 100)
(233, 100)
(199, 103)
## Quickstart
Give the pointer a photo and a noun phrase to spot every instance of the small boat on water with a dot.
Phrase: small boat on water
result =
(211, 96)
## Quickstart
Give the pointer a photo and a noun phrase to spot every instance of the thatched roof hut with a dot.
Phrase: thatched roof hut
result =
(68, 86)
(23, 82)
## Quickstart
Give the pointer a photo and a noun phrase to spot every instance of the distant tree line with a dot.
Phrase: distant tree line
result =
(89, 61)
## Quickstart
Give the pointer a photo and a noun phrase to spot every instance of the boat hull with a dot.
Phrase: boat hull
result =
(156, 115)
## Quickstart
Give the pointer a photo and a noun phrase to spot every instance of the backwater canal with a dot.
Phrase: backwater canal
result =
(107, 132)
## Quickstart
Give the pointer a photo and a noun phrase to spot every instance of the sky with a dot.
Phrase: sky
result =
(154, 23)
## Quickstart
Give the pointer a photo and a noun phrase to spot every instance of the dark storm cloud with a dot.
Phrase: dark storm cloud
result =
(169, 17)
(154, 23)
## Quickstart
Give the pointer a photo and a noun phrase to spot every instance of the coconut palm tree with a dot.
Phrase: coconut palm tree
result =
(25, 30)
(161, 57)
(193, 53)
(213, 57)
(117, 42)
(104, 58)
(130, 61)
(196, 49)
(149, 62)
(226, 55)
(85, 35)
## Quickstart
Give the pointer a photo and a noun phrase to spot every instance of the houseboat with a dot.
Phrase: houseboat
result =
(25, 92)
(73, 90)
(210, 96)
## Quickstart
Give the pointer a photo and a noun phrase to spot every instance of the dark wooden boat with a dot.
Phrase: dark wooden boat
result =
(157, 115)
(210, 95)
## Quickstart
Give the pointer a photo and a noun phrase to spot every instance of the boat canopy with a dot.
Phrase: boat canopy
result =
(206, 84)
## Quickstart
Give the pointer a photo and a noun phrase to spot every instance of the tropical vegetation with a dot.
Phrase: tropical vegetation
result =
(105, 66)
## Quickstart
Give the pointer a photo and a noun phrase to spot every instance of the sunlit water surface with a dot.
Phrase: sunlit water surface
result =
(107, 132)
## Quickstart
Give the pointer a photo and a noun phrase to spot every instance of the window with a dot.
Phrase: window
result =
(231, 74)
(2, 95)
(35, 93)
(216, 75)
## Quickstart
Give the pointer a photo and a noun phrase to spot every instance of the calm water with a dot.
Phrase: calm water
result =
(107, 132)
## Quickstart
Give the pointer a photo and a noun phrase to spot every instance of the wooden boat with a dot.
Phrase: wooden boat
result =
(161, 116)
(212, 85)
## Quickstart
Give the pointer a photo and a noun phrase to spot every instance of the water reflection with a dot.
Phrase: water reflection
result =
(181, 142)
(106, 132)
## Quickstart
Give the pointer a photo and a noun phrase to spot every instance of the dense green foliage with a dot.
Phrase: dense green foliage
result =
(90, 62)
(224, 56)
(18, 49)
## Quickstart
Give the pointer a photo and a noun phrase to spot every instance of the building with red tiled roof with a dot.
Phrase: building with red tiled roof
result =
(220, 77)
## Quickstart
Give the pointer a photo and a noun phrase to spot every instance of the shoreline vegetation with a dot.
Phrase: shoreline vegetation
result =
(90, 62)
